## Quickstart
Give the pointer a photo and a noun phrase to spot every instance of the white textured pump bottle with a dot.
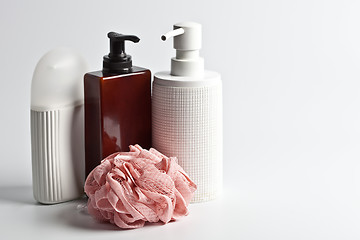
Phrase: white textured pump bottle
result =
(57, 127)
(187, 112)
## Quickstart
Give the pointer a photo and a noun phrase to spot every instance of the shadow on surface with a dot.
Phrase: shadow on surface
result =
(17, 194)
(72, 213)
(75, 215)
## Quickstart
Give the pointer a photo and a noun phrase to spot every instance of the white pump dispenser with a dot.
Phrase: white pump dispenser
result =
(187, 42)
(187, 112)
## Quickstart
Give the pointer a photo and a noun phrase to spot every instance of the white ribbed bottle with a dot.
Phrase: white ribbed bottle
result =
(187, 113)
(57, 127)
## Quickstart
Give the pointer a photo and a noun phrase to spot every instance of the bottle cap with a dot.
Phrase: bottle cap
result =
(117, 61)
(58, 80)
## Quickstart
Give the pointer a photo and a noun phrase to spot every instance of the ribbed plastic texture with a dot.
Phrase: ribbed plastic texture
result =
(45, 155)
(187, 123)
(58, 167)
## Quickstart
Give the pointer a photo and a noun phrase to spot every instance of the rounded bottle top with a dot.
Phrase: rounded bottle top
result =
(166, 79)
(58, 80)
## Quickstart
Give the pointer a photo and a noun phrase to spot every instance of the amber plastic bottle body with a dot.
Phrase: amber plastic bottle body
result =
(117, 113)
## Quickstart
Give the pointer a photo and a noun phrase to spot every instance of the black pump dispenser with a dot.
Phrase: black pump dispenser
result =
(117, 61)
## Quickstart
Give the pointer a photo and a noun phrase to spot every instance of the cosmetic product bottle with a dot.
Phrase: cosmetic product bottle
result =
(57, 127)
(187, 112)
(117, 104)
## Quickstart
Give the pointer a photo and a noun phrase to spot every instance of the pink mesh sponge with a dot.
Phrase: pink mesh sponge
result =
(131, 188)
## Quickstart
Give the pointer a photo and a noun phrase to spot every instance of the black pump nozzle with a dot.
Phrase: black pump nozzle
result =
(117, 61)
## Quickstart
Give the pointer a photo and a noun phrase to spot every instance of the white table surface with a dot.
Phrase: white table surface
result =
(23, 218)
(312, 207)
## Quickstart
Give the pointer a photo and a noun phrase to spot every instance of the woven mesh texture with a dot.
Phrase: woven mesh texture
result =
(187, 124)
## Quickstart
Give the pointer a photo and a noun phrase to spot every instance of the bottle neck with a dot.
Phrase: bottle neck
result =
(188, 54)
(187, 63)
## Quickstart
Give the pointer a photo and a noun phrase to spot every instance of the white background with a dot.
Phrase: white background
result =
(291, 76)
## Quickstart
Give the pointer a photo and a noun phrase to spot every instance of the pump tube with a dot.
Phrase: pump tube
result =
(172, 33)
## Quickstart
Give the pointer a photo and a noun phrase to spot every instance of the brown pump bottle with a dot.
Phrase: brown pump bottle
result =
(117, 104)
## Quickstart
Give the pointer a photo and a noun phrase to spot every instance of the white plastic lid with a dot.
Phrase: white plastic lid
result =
(58, 80)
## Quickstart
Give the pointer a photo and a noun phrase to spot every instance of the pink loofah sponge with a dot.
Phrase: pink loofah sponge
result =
(131, 188)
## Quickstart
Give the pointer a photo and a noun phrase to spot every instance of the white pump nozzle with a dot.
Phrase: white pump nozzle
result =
(187, 42)
(172, 33)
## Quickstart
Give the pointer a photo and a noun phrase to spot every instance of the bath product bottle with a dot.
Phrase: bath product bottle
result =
(117, 104)
(57, 127)
(187, 112)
